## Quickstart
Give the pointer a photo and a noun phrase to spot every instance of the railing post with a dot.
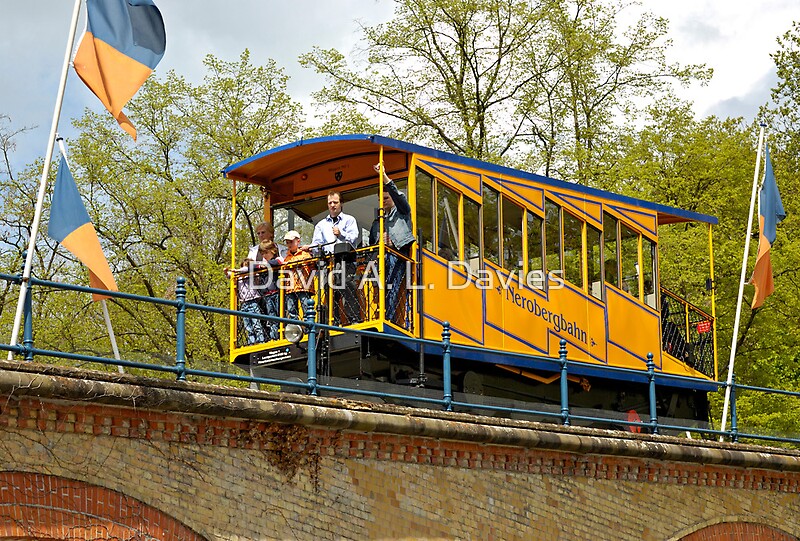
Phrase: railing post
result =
(27, 329)
(686, 325)
(308, 315)
(562, 356)
(446, 375)
(651, 379)
(734, 429)
(180, 329)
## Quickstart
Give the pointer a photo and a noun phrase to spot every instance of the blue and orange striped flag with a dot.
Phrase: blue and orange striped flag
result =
(123, 43)
(770, 212)
(70, 225)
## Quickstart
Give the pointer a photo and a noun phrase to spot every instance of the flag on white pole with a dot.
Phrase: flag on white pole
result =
(123, 43)
(70, 225)
(770, 213)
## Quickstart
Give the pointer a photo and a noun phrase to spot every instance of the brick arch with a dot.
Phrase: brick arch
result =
(35, 507)
(739, 531)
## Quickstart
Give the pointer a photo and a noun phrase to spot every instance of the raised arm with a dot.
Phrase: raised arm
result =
(399, 198)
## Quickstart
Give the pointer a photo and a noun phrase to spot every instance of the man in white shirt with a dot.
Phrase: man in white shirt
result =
(338, 228)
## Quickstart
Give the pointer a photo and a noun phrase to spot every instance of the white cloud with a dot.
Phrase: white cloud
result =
(735, 38)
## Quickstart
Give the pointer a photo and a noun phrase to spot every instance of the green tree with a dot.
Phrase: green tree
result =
(540, 85)
(603, 75)
(162, 209)
(704, 166)
(448, 73)
(697, 165)
(768, 353)
(344, 119)
(707, 166)
(15, 200)
(783, 117)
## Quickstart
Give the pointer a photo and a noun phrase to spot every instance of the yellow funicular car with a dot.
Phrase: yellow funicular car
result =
(514, 261)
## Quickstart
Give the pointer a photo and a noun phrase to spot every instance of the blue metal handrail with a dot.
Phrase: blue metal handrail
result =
(447, 401)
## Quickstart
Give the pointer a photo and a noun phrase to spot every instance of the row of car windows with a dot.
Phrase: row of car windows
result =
(521, 241)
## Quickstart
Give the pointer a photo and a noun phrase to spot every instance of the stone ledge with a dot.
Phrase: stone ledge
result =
(124, 390)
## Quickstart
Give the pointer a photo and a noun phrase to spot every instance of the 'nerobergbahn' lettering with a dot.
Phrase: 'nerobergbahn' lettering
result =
(558, 321)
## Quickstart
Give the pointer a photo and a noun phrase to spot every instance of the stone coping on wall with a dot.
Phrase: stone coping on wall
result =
(145, 393)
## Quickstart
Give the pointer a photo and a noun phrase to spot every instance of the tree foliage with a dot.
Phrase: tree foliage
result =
(443, 73)
(161, 208)
(768, 354)
(509, 81)
(602, 75)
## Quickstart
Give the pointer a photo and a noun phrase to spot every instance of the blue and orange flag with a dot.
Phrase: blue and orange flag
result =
(70, 225)
(770, 212)
(123, 43)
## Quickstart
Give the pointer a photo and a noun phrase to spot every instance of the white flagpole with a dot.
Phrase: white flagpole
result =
(741, 280)
(26, 273)
(111, 335)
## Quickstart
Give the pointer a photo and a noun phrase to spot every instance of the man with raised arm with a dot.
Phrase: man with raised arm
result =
(398, 235)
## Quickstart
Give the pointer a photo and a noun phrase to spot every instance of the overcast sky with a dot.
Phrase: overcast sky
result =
(735, 37)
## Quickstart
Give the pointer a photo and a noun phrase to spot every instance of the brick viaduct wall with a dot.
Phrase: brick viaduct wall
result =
(85, 455)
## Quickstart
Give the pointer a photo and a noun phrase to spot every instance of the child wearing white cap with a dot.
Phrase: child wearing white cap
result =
(298, 279)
